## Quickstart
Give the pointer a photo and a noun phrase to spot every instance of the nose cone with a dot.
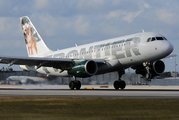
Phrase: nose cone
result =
(167, 47)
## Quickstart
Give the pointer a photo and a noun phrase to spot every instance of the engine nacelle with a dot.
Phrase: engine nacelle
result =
(158, 67)
(84, 69)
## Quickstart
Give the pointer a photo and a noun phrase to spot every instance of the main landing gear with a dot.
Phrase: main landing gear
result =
(120, 83)
(117, 84)
(75, 84)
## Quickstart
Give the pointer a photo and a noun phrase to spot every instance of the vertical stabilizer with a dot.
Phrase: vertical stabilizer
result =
(34, 42)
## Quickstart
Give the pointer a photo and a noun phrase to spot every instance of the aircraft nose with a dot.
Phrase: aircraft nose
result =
(167, 47)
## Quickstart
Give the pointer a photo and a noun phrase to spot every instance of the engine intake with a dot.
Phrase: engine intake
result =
(158, 67)
(85, 68)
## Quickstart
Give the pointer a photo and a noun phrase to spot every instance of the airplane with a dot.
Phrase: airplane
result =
(26, 79)
(141, 51)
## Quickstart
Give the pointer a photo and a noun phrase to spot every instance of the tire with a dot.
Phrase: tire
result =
(72, 85)
(78, 85)
(122, 84)
(117, 85)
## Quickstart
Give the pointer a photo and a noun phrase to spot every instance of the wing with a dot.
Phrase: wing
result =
(59, 63)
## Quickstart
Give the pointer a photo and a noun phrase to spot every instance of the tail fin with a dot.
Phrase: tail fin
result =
(34, 43)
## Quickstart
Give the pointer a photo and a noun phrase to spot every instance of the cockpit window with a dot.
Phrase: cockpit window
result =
(148, 40)
(159, 38)
(153, 39)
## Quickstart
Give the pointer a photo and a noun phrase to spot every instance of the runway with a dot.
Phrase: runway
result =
(91, 93)
(130, 92)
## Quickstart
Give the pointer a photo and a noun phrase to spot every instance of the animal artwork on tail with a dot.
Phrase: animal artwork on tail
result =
(31, 42)
(29, 34)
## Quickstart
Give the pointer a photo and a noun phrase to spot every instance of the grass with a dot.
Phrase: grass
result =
(32, 108)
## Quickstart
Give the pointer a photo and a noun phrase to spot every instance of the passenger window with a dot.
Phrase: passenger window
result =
(153, 39)
(148, 40)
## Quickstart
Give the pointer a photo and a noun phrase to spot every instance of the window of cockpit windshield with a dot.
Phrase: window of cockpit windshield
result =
(159, 38)
(153, 39)
(148, 40)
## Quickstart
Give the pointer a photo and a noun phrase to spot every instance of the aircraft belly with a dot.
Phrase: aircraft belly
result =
(112, 65)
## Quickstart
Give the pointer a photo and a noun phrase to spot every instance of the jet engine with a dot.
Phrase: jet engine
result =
(158, 67)
(155, 68)
(84, 69)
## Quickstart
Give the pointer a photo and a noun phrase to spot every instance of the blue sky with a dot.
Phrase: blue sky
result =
(64, 23)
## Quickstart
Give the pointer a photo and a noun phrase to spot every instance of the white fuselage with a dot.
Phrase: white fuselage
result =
(121, 52)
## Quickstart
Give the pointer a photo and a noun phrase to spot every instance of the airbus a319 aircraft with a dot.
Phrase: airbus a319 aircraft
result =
(142, 52)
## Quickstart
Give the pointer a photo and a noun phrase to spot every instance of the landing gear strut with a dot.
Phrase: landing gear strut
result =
(75, 84)
(120, 83)
(148, 75)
